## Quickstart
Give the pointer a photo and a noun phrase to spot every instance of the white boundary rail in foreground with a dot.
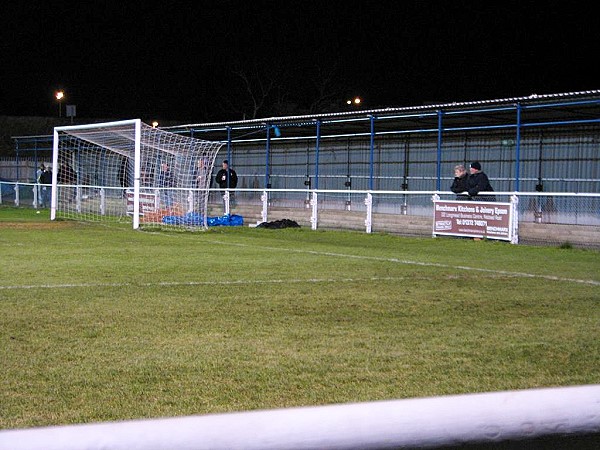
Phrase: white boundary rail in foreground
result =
(487, 418)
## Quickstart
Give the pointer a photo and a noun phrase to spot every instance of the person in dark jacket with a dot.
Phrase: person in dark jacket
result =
(460, 183)
(46, 180)
(227, 178)
(479, 182)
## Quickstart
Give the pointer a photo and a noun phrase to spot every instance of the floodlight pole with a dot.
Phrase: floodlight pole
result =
(59, 97)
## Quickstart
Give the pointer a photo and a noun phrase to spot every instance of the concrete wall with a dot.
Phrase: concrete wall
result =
(417, 226)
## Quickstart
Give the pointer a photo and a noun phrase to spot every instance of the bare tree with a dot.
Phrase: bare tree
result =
(253, 88)
(261, 87)
(327, 87)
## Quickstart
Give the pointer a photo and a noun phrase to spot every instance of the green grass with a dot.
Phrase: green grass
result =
(104, 323)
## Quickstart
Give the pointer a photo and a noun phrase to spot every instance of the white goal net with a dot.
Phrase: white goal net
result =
(130, 171)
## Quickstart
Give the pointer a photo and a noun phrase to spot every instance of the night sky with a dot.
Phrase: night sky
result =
(182, 60)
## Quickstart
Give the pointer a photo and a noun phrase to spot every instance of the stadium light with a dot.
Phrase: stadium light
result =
(60, 95)
(154, 124)
(354, 101)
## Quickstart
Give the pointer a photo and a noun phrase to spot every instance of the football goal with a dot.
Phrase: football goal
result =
(130, 171)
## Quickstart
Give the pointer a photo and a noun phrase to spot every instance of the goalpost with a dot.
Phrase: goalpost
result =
(130, 171)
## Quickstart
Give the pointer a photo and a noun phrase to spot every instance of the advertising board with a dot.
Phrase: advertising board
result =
(491, 220)
(148, 202)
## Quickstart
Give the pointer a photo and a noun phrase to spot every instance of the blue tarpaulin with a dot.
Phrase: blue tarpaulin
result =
(195, 219)
(7, 189)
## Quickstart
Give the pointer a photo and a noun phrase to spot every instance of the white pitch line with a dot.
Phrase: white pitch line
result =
(425, 264)
(201, 283)
(478, 269)
(312, 280)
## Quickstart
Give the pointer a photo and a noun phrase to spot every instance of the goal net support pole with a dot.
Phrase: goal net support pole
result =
(136, 176)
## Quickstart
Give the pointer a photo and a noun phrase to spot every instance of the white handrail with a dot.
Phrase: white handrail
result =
(412, 423)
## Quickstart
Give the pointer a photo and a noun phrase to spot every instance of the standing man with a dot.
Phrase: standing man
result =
(479, 182)
(38, 180)
(202, 180)
(68, 177)
(227, 178)
(46, 181)
(201, 173)
(166, 181)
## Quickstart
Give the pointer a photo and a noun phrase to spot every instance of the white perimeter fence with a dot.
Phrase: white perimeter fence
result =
(558, 418)
(542, 217)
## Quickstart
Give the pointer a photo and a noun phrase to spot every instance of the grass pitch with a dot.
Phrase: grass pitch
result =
(104, 323)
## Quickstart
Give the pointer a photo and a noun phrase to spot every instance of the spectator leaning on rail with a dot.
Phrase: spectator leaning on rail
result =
(460, 183)
(479, 182)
